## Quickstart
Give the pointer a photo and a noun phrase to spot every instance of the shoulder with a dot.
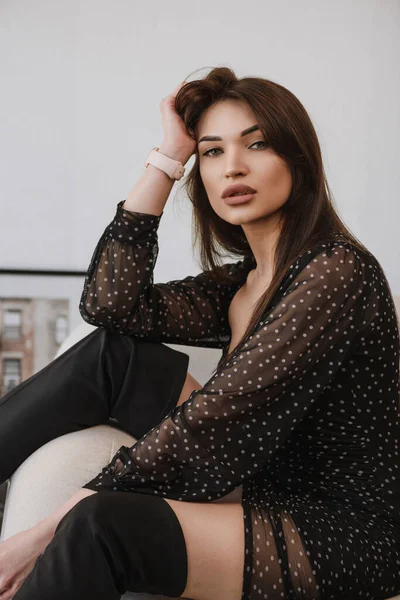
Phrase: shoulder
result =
(336, 261)
(337, 272)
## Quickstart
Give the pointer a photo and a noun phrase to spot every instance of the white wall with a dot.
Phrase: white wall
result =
(81, 82)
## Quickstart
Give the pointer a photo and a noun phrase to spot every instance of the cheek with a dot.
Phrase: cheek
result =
(210, 182)
(205, 171)
(215, 202)
(277, 176)
(286, 179)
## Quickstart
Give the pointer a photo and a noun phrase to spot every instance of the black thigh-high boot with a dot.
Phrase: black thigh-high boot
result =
(110, 543)
(106, 375)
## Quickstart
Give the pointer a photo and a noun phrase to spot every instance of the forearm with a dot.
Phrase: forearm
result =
(46, 528)
(152, 190)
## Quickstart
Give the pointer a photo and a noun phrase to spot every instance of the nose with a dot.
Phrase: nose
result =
(235, 168)
(234, 164)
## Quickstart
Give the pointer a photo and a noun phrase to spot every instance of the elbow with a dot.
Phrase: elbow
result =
(102, 317)
(88, 311)
(95, 315)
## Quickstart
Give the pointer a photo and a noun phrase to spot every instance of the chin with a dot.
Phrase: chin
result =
(235, 214)
(241, 213)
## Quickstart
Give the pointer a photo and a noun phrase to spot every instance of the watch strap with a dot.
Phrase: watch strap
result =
(173, 168)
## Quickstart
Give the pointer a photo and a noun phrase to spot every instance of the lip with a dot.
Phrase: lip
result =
(237, 187)
(238, 199)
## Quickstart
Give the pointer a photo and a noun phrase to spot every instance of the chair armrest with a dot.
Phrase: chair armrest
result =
(54, 472)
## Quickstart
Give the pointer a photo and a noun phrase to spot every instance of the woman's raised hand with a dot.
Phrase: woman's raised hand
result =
(176, 138)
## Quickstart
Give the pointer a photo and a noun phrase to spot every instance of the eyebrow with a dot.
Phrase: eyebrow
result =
(216, 138)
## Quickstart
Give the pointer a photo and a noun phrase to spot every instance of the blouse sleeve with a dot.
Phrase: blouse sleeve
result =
(228, 430)
(119, 293)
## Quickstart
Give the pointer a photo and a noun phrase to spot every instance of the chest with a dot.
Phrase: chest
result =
(241, 309)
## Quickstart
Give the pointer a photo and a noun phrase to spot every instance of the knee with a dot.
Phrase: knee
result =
(90, 512)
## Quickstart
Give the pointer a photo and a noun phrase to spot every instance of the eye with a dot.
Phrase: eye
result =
(211, 149)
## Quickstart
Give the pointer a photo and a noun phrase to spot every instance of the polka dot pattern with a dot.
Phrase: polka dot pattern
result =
(304, 415)
(119, 293)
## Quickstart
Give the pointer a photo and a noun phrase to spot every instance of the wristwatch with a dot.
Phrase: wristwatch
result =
(173, 168)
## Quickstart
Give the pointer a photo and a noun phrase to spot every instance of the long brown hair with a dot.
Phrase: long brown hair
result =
(308, 216)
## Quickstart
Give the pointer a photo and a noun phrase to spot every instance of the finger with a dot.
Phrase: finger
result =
(176, 90)
(6, 593)
(181, 84)
(170, 99)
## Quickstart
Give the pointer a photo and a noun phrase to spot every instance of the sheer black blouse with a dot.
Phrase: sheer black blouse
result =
(304, 415)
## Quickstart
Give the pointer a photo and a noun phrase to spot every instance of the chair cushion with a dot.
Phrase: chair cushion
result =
(55, 472)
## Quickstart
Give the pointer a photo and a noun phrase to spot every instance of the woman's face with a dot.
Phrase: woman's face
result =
(235, 159)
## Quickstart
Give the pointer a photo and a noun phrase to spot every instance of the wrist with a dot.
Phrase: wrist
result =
(42, 534)
(173, 152)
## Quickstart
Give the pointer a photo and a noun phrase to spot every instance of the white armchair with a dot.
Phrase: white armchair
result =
(36, 488)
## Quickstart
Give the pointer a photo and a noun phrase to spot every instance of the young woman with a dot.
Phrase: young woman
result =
(300, 414)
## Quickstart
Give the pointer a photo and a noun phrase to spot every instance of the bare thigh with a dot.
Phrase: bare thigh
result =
(214, 536)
